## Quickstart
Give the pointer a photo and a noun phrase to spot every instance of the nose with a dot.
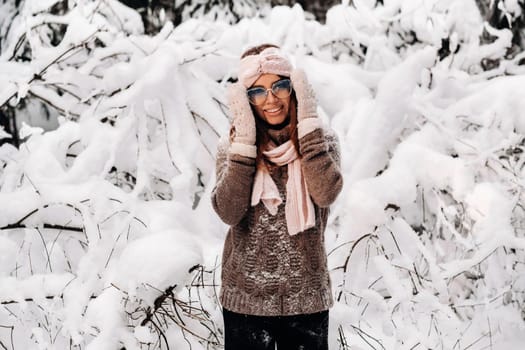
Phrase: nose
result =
(271, 97)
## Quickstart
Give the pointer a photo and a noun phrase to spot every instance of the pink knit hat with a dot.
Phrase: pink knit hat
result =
(270, 60)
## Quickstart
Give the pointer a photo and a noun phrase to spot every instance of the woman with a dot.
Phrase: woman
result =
(276, 178)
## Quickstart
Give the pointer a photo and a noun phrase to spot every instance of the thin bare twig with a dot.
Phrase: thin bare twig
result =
(165, 127)
(12, 328)
(361, 334)
(45, 249)
(56, 60)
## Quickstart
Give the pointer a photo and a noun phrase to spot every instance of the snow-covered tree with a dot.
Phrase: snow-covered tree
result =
(107, 237)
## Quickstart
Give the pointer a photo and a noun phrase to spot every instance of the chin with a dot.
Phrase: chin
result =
(275, 121)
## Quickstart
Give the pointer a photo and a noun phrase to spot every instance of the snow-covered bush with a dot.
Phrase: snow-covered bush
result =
(107, 236)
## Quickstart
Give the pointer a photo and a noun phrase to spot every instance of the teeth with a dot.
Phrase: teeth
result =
(273, 110)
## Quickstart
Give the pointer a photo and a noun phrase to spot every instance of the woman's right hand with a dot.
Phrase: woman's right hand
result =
(243, 118)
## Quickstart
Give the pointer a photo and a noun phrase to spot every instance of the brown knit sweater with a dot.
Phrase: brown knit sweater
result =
(265, 271)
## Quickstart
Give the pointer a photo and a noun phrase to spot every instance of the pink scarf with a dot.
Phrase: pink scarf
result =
(299, 209)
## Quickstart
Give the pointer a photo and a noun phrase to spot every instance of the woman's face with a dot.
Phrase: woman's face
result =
(274, 110)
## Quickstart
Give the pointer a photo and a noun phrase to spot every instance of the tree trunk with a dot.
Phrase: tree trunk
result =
(8, 121)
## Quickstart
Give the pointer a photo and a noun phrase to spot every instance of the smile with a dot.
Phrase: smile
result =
(274, 110)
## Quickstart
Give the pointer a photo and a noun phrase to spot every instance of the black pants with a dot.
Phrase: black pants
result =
(298, 332)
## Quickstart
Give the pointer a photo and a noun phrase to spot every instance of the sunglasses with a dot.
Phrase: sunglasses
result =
(280, 89)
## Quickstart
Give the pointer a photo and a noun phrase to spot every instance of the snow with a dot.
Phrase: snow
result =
(157, 260)
(36, 287)
(105, 208)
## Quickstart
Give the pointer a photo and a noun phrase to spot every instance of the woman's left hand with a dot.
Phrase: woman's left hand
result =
(306, 101)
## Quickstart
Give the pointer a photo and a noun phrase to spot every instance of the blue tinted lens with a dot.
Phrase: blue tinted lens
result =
(256, 95)
(282, 88)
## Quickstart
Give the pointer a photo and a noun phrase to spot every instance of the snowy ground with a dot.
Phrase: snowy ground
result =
(108, 237)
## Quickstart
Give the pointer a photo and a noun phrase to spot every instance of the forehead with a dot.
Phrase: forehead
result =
(266, 80)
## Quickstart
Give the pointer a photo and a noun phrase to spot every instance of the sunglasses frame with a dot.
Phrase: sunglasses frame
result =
(267, 91)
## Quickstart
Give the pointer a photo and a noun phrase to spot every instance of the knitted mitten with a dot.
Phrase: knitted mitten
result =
(243, 121)
(306, 102)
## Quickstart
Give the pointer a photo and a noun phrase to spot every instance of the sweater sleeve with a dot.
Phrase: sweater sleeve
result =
(232, 192)
(321, 166)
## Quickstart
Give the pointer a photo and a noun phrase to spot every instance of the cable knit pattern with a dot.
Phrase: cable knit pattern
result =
(266, 271)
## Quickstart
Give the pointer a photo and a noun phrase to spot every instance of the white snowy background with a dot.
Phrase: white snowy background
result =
(108, 239)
